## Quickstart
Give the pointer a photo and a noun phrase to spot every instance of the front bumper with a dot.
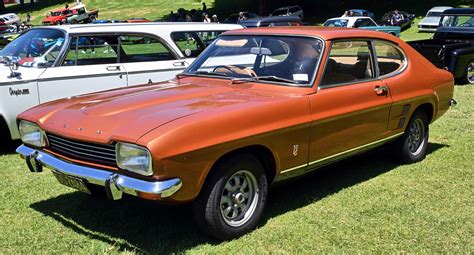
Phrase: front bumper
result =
(115, 184)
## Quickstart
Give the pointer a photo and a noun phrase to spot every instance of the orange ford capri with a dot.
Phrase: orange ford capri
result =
(257, 107)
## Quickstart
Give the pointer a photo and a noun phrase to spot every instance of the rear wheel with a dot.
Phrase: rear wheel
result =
(411, 146)
(468, 74)
(73, 21)
(233, 199)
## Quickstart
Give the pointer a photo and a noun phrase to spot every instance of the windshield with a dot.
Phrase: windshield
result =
(279, 59)
(280, 12)
(464, 21)
(434, 14)
(336, 23)
(35, 48)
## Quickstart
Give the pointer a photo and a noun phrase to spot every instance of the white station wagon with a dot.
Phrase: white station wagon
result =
(48, 63)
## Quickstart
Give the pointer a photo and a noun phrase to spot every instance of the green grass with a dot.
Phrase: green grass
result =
(121, 9)
(367, 204)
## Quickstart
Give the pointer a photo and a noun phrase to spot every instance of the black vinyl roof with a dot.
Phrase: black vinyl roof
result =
(459, 11)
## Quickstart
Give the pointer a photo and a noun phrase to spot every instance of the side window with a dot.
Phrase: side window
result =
(143, 49)
(191, 44)
(389, 57)
(349, 61)
(364, 23)
(91, 50)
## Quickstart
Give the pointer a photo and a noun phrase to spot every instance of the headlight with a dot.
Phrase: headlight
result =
(32, 134)
(134, 158)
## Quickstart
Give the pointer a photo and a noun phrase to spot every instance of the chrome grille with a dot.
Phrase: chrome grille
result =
(90, 152)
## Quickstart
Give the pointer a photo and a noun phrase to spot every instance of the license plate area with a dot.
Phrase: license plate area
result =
(72, 181)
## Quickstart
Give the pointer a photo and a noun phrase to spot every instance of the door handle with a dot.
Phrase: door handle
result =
(179, 63)
(381, 90)
(113, 68)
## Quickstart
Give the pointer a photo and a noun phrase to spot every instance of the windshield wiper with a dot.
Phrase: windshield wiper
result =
(274, 78)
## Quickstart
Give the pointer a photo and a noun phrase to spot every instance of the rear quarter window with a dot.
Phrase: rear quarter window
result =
(390, 59)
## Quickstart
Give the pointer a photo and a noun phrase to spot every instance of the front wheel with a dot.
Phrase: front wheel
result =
(233, 198)
(411, 146)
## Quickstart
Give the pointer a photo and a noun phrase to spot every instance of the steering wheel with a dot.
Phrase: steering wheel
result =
(236, 69)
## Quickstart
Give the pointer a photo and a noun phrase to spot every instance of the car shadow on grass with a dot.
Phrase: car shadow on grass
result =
(8, 147)
(136, 225)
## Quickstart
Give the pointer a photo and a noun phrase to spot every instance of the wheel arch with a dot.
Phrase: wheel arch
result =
(4, 129)
(260, 152)
(428, 109)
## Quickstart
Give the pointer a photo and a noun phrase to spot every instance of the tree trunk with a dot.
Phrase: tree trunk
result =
(262, 7)
(22, 3)
(2, 6)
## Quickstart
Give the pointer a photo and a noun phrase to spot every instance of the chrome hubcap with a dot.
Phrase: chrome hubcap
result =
(416, 137)
(470, 73)
(239, 198)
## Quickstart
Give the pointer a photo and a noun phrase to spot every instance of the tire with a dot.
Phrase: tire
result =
(233, 198)
(73, 21)
(57, 23)
(92, 18)
(468, 77)
(411, 146)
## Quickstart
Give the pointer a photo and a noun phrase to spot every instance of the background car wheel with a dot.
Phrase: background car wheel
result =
(233, 198)
(58, 23)
(73, 21)
(469, 74)
(411, 146)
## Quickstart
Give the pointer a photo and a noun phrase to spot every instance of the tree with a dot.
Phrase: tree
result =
(2, 6)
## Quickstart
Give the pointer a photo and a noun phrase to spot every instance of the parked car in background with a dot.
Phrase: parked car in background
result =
(234, 18)
(405, 23)
(452, 46)
(102, 21)
(360, 13)
(272, 21)
(57, 17)
(10, 19)
(82, 15)
(294, 10)
(361, 22)
(137, 20)
(259, 106)
(47, 63)
(431, 21)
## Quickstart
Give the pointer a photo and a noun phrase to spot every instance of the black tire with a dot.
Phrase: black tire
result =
(411, 146)
(73, 21)
(468, 76)
(210, 211)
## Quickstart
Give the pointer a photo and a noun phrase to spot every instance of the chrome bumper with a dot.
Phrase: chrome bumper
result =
(115, 184)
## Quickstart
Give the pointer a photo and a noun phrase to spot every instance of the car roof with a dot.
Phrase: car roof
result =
(460, 11)
(325, 33)
(358, 10)
(153, 27)
(351, 18)
(439, 8)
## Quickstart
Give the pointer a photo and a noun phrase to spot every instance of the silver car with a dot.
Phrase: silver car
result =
(431, 21)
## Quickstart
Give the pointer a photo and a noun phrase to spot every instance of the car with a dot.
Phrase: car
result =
(234, 18)
(272, 21)
(102, 21)
(361, 22)
(138, 20)
(10, 19)
(360, 13)
(452, 46)
(405, 23)
(82, 15)
(258, 107)
(58, 17)
(431, 21)
(294, 10)
(47, 63)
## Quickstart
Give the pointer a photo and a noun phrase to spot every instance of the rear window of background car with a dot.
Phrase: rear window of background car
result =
(191, 44)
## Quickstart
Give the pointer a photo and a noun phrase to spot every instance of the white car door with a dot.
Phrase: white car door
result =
(90, 65)
(148, 59)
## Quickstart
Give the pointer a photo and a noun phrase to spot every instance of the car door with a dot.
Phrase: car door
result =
(351, 107)
(89, 65)
(148, 59)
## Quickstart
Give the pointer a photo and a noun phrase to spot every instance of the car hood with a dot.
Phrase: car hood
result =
(128, 114)
(430, 21)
